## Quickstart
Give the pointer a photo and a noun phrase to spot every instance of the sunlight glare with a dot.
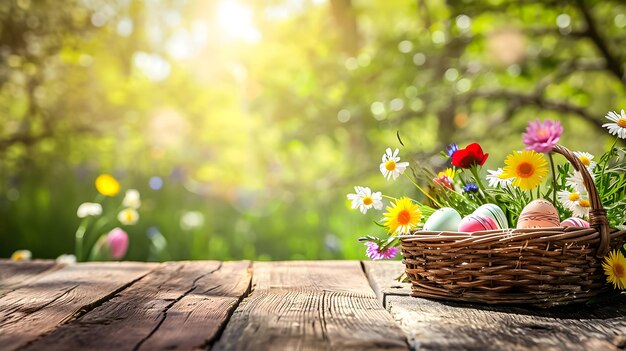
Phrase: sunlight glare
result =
(235, 21)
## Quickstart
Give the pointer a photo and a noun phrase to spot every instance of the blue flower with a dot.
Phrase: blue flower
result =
(470, 188)
(451, 149)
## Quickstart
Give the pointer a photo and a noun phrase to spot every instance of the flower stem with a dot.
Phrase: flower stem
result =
(601, 185)
(553, 178)
(422, 190)
(79, 237)
(483, 190)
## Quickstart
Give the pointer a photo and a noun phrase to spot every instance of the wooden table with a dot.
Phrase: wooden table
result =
(309, 305)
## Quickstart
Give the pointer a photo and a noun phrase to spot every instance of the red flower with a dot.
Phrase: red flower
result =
(470, 156)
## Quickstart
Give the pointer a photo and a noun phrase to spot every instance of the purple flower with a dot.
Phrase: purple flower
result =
(541, 137)
(451, 149)
(117, 240)
(470, 188)
(374, 253)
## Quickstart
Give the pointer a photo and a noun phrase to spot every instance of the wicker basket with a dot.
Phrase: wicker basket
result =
(543, 267)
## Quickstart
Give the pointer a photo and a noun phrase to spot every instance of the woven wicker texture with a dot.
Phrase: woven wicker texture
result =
(543, 267)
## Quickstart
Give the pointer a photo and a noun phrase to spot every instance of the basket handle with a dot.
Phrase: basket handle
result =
(597, 213)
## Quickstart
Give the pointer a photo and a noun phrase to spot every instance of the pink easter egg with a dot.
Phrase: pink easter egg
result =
(575, 222)
(476, 223)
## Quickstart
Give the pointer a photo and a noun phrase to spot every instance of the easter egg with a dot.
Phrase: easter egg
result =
(539, 213)
(575, 222)
(445, 219)
(477, 222)
(494, 212)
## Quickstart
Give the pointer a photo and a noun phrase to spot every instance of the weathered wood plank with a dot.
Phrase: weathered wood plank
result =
(40, 307)
(437, 325)
(16, 274)
(180, 305)
(382, 274)
(316, 305)
(198, 318)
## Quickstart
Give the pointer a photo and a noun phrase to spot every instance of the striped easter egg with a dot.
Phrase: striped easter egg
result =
(494, 212)
(575, 222)
(476, 223)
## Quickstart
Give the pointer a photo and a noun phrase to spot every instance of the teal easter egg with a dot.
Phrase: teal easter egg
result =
(445, 219)
(494, 212)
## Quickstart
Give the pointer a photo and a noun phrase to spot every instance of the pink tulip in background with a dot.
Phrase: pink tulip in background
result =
(118, 243)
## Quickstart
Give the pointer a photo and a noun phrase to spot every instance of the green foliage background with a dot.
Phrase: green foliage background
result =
(265, 137)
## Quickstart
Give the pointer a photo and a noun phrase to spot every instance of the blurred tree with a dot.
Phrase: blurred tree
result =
(261, 115)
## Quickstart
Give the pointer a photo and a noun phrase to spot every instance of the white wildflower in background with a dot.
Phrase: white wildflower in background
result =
(495, 178)
(191, 220)
(128, 216)
(391, 167)
(66, 259)
(132, 199)
(618, 127)
(87, 209)
(364, 199)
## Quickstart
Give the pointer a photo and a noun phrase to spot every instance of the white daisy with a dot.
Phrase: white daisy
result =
(132, 199)
(575, 180)
(364, 199)
(87, 209)
(495, 180)
(581, 208)
(390, 167)
(128, 216)
(619, 126)
(586, 159)
(569, 199)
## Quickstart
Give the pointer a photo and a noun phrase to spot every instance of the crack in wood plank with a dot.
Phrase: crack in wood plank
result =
(38, 308)
(164, 317)
(179, 305)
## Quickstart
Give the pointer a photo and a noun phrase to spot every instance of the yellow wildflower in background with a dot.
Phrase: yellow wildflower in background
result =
(403, 216)
(21, 255)
(615, 269)
(107, 185)
(527, 169)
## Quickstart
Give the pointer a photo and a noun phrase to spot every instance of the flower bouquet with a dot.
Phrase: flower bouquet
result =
(539, 233)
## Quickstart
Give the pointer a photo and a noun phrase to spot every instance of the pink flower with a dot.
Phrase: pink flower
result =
(117, 240)
(541, 137)
(375, 254)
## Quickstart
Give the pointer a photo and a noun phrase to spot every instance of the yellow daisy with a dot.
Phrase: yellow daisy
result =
(449, 172)
(527, 169)
(402, 216)
(615, 269)
(107, 185)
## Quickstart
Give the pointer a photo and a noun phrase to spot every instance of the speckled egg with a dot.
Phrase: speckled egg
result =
(494, 212)
(477, 222)
(575, 222)
(539, 213)
(445, 219)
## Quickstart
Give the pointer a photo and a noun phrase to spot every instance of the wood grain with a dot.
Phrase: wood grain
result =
(40, 307)
(16, 274)
(180, 305)
(315, 305)
(436, 325)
